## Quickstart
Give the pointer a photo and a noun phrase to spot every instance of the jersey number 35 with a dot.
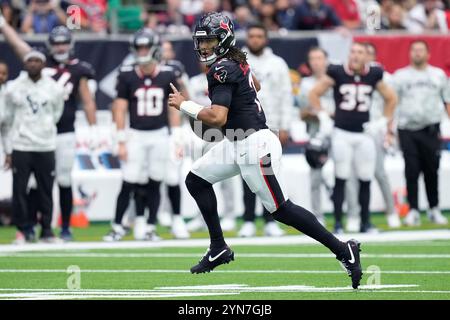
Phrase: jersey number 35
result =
(355, 97)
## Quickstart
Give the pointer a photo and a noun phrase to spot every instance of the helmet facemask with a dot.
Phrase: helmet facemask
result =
(154, 53)
(54, 49)
(60, 36)
(212, 57)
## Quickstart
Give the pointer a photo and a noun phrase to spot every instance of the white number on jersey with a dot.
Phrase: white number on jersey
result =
(149, 101)
(63, 81)
(355, 96)
(252, 85)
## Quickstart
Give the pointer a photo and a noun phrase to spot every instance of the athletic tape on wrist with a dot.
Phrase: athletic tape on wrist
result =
(191, 108)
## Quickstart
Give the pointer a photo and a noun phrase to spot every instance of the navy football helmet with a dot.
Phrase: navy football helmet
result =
(218, 26)
(317, 152)
(146, 38)
(60, 35)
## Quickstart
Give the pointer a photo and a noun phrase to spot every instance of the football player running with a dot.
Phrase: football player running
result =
(352, 143)
(142, 91)
(73, 75)
(249, 149)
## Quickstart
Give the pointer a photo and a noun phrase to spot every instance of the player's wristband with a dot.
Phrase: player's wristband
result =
(191, 108)
(121, 136)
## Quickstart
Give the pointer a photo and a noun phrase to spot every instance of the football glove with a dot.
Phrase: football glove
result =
(376, 127)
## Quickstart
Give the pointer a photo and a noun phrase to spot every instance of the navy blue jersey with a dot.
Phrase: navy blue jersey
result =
(177, 67)
(147, 96)
(68, 75)
(230, 84)
(353, 95)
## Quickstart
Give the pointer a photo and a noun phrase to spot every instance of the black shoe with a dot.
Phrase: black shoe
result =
(47, 236)
(350, 260)
(46, 233)
(30, 237)
(212, 259)
(66, 235)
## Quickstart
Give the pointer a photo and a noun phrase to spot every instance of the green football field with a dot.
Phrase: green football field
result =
(404, 269)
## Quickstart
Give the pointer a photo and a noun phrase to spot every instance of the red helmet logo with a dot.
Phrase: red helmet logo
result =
(224, 26)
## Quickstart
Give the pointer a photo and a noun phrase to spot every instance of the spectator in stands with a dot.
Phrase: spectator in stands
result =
(166, 17)
(347, 11)
(285, 13)
(314, 15)
(427, 16)
(6, 9)
(242, 17)
(93, 14)
(447, 11)
(255, 6)
(268, 15)
(42, 16)
(395, 19)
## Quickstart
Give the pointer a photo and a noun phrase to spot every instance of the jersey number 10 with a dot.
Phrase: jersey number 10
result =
(149, 101)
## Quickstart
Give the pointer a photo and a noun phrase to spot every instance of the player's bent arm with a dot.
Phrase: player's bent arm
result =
(20, 47)
(390, 99)
(322, 85)
(215, 116)
(90, 107)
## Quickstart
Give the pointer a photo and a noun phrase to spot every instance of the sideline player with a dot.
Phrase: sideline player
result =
(353, 145)
(73, 75)
(142, 91)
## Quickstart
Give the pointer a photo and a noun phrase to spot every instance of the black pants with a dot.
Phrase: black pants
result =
(421, 151)
(42, 164)
(250, 204)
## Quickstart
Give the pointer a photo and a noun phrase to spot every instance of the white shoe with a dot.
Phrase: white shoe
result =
(179, 229)
(20, 238)
(150, 234)
(228, 224)
(140, 228)
(272, 229)
(435, 216)
(248, 229)
(165, 219)
(393, 220)
(117, 233)
(196, 224)
(412, 218)
(353, 224)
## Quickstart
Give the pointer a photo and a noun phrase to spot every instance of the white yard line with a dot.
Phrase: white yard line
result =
(425, 272)
(196, 255)
(390, 236)
(201, 290)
